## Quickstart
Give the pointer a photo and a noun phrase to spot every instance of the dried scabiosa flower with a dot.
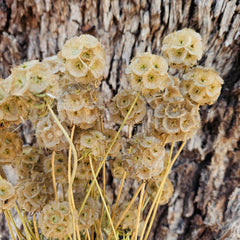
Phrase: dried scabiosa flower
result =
(90, 213)
(167, 192)
(80, 107)
(121, 104)
(85, 59)
(144, 157)
(7, 195)
(49, 135)
(201, 85)
(182, 48)
(147, 73)
(55, 220)
(175, 119)
(10, 146)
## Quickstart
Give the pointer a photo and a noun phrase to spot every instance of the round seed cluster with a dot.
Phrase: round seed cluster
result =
(201, 85)
(144, 157)
(7, 195)
(121, 104)
(10, 146)
(85, 59)
(176, 118)
(147, 73)
(80, 106)
(55, 220)
(182, 48)
(90, 213)
(153, 186)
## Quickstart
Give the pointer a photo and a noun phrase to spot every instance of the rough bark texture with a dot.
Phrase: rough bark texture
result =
(206, 201)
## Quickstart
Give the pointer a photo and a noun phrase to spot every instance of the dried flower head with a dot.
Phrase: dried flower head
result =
(148, 73)
(201, 85)
(7, 195)
(121, 104)
(182, 48)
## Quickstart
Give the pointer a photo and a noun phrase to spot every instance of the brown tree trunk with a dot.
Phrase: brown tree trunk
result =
(206, 201)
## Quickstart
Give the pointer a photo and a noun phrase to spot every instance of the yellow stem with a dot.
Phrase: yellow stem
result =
(28, 224)
(106, 155)
(103, 200)
(9, 224)
(35, 227)
(19, 234)
(53, 176)
(28, 235)
(119, 194)
(70, 192)
(88, 235)
(145, 204)
(162, 185)
(139, 210)
(128, 207)
(73, 149)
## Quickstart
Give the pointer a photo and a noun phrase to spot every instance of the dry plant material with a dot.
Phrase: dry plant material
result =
(62, 93)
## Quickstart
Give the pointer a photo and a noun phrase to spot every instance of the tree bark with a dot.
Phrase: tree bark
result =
(206, 200)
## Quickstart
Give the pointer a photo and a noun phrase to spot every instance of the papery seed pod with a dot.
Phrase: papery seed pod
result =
(85, 59)
(32, 194)
(60, 166)
(7, 195)
(90, 213)
(117, 168)
(10, 146)
(38, 77)
(144, 157)
(30, 160)
(55, 220)
(148, 73)
(167, 192)
(182, 48)
(13, 110)
(72, 48)
(109, 137)
(175, 119)
(201, 85)
(80, 107)
(19, 85)
(90, 141)
(129, 220)
(171, 91)
(50, 136)
(121, 104)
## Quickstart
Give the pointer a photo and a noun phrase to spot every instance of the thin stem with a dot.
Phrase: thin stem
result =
(19, 234)
(104, 202)
(88, 235)
(162, 185)
(28, 224)
(69, 141)
(107, 153)
(35, 226)
(28, 235)
(139, 211)
(145, 204)
(9, 224)
(144, 198)
(70, 192)
(128, 207)
(53, 176)
(119, 194)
